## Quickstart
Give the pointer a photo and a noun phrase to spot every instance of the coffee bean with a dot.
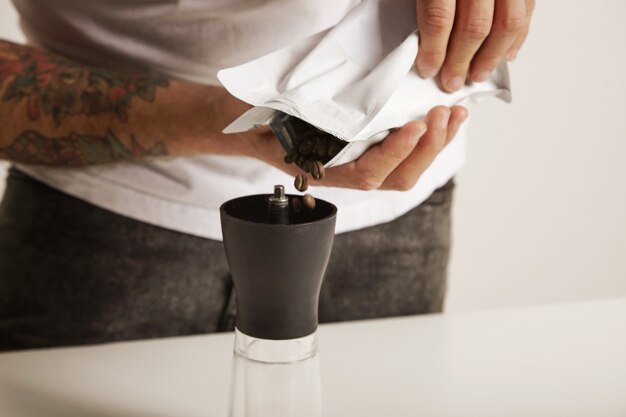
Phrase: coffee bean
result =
(291, 156)
(322, 170)
(306, 166)
(321, 148)
(300, 160)
(315, 173)
(301, 183)
(306, 147)
(308, 201)
(317, 170)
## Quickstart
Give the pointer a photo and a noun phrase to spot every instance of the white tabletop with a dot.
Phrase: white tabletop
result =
(565, 360)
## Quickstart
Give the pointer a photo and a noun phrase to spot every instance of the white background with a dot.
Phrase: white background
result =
(540, 213)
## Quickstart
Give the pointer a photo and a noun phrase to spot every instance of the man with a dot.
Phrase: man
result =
(109, 228)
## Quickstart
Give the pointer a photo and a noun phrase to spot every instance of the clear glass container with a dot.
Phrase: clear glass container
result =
(275, 378)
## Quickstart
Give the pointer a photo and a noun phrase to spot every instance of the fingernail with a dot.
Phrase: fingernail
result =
(455, 83)
(426, 71)
(512, 54)
(460, 121)
(481, 76)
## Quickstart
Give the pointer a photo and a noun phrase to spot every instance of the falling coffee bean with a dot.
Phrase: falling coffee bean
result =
(301, 183)
(308, 201)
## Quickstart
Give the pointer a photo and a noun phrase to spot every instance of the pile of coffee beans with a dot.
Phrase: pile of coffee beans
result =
(312, 149)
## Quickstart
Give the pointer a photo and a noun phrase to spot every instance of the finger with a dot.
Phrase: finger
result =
(517, 45)
(471, 27)
(509, 21)
(443, 124)
(370, 170)
(434, 22)
(405, 176)
(457, 117)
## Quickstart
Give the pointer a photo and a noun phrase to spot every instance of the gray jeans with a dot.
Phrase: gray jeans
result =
(72, 273)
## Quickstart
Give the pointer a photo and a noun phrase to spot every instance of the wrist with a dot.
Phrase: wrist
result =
(220, 112)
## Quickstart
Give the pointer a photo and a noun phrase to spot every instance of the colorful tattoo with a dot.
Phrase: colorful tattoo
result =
(32, 147)
(58, 87)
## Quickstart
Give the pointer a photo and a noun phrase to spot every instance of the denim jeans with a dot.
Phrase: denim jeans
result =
(72, 273)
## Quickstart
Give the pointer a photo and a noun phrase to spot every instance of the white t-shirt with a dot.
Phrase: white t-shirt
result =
(192, 40)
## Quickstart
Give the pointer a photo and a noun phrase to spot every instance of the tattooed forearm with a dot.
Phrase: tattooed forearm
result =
(32, 147)
(52, 85)
(61, 113)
